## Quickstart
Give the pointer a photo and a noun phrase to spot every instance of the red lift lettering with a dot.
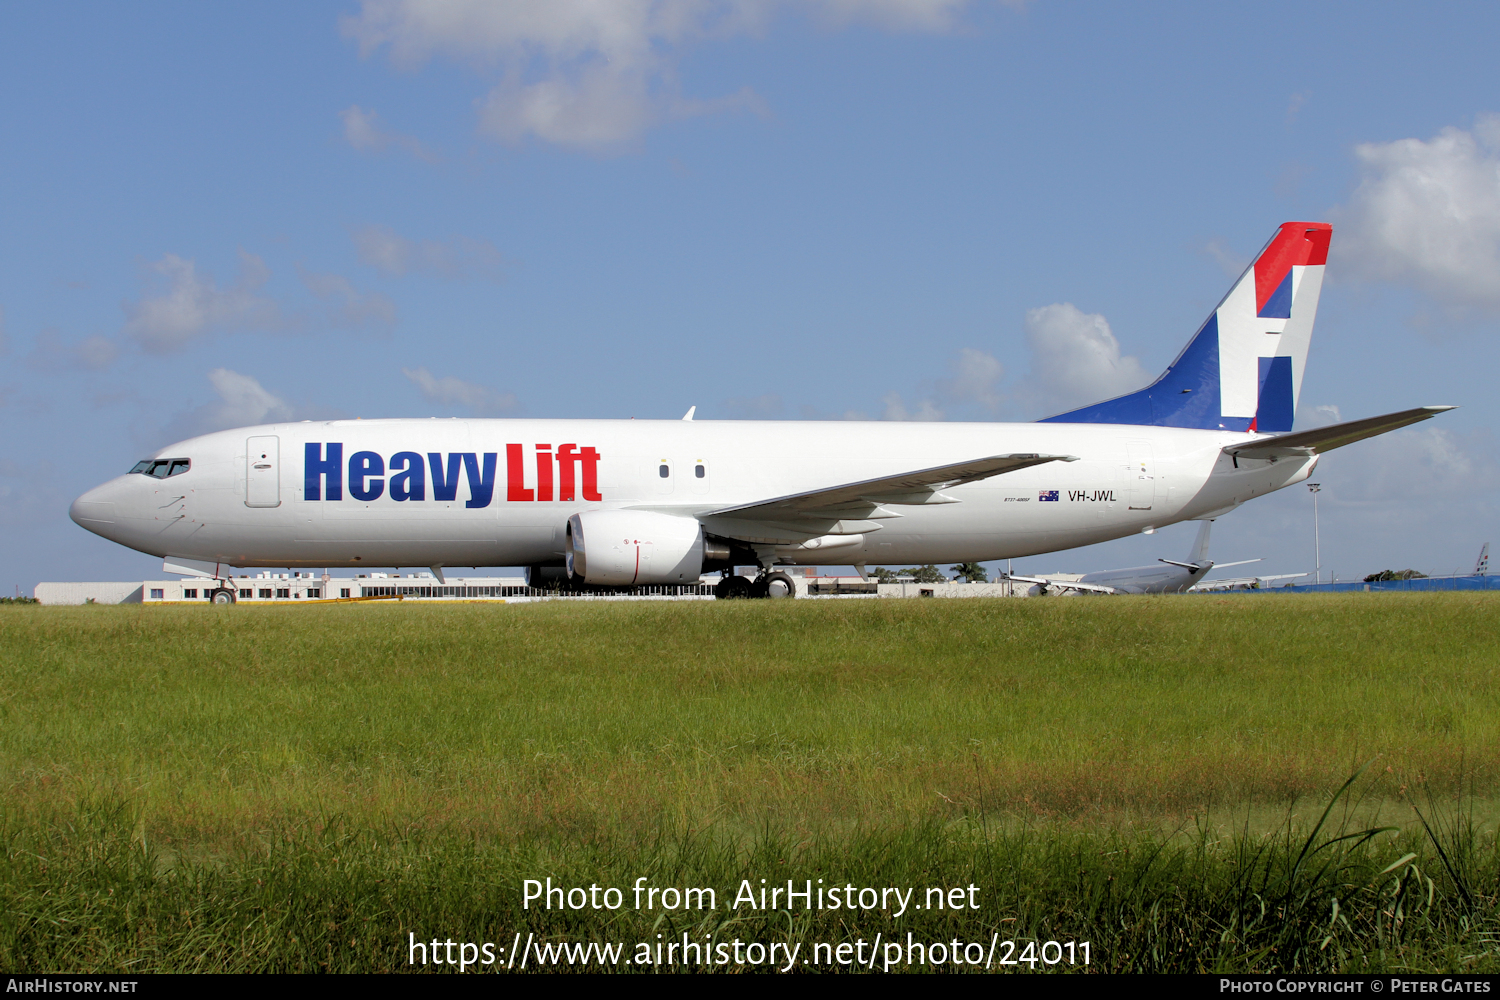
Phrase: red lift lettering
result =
(591, 474)
(515, 470)
(544, 473)
(569, 459)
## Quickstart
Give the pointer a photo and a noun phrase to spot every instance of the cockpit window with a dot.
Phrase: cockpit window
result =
(161, 468)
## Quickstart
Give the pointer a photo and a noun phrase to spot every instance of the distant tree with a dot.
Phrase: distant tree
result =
(926, 574)
(970, 572)
(883, 575)
(1399, 574)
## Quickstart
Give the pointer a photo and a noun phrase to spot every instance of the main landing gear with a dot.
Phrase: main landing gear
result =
(775, 585)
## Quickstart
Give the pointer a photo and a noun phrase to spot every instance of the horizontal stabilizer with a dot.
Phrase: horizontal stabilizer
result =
(1240, 562)
(917, 487)
(1321, 439)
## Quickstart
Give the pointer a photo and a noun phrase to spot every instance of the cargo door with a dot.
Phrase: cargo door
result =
(263, 472)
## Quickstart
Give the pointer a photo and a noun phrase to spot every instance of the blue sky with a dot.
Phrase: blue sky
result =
(906, 209)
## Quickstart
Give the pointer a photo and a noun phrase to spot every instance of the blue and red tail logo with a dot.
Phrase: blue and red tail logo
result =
(1243, 368)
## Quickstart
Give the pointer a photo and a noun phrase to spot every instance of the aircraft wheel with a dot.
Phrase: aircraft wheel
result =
(222, 596)
(780, 585)
(760, 587)
(733, 588)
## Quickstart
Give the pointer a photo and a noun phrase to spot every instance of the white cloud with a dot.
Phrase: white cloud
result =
(1318, 416)
(1220, 253)
(1427, 214)
(383, 248)
(350, 307)
(975, 379)
(896, 409)
(450, 391)
(193, 304)
(1420, 467)
(1075, 360)
(593, 74)
(764, 407)
(53, 354)
(361, 132)
(242, 402)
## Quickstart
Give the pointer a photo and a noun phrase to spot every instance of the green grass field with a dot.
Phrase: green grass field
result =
(299, 787)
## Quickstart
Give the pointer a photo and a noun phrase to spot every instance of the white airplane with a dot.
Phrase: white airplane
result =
(629, 502)
(1245, 582)
(1173, 577)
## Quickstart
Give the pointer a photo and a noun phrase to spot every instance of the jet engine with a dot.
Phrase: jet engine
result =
(624, 548)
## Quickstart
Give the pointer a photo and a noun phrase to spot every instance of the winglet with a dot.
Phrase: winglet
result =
(689, 414)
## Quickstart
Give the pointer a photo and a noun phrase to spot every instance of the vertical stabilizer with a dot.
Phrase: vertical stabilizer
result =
(1482, 565)
(1199, 555)
(1242, 371)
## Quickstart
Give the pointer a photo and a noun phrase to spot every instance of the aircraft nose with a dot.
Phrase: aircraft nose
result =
(95, 510)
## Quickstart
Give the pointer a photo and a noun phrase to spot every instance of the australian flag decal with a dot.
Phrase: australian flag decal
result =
(1047, 495)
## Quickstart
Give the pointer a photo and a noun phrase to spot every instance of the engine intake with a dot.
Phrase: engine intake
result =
(624, 548)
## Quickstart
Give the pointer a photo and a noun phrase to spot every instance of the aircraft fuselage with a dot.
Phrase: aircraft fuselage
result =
(457, 492)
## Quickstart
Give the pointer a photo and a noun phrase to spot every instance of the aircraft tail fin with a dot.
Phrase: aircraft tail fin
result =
(1199, 555)
(1242, 371)
(1482, 565)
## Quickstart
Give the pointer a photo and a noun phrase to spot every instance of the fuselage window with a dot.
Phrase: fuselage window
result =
(664, 472)
(161, 468)
(699, 471)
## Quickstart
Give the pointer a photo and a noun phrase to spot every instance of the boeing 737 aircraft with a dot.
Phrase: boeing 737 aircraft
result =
(1172, 577)
(627, 502)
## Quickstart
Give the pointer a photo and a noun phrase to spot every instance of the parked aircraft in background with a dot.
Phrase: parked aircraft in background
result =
(1482, 564)
(627, 502)
(1172, 577)
(1246, 582)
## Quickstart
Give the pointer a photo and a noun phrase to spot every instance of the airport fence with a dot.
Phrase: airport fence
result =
(1359, 586)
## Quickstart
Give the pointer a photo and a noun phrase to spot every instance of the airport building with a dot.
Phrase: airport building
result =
(292, 588)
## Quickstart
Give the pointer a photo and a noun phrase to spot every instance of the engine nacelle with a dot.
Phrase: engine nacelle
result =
(623, 548)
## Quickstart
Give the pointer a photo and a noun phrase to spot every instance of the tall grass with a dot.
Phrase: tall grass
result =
(90, 891)
(235, 788)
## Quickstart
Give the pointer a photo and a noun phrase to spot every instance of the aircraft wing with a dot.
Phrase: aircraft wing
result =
(1243, 581)
(1093, 588)
(859, 500)
(1320, 439)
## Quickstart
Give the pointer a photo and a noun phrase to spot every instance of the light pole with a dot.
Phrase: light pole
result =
(1314, 489)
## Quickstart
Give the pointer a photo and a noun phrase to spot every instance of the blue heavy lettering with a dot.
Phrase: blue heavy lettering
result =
(410, 484)
(444, 487)
(481, 487)
(366, 465)
(315, 467)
